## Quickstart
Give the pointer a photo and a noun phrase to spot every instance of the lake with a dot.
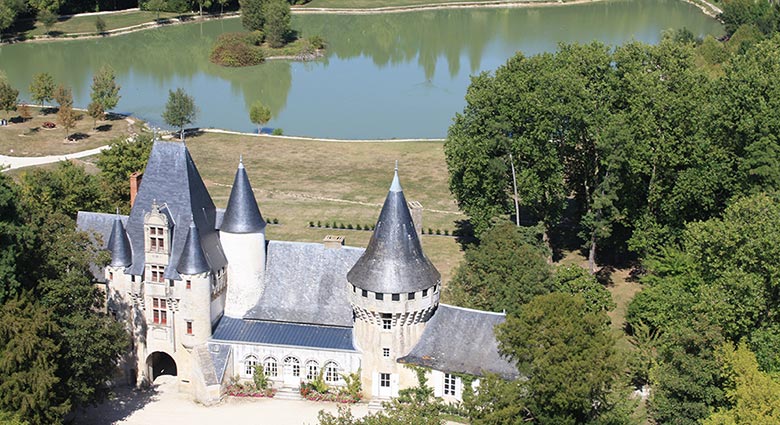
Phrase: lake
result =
(400, 75)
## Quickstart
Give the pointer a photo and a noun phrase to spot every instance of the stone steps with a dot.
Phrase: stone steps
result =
(288, 394)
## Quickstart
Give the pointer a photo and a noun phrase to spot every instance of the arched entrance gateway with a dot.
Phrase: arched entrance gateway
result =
(159, 363)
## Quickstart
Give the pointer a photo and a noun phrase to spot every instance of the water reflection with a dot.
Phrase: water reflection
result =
(393, 75)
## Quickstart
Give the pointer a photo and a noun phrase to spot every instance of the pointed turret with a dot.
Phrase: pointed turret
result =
(193, 260)
(119, 245)
(394, 261)
(242, 214)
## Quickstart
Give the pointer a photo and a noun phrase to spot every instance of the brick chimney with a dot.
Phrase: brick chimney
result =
(135, 183)
(415, 208)
(333, 241)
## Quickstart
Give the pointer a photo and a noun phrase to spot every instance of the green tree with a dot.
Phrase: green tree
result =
(117, 163)
(100, 25)
(180, 110)
(576, 280)
(568, 355)
(66, 117)
(95, 110)
(63, 96)
(105, 91)
(48, 19)
(202, 4)
(9, 10)
(252, 15)
(504, 272)
(259, 114)
(8, 97)
(66, 189)
(156, 6)
(14, 240)
(42, 88)
(754, 397)
(222, 4)
(277, 22)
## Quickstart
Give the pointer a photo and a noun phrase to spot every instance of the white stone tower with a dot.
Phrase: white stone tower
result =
(242, 235)
(394, 290)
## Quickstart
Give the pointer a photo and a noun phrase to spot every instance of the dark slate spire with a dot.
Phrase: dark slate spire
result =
(192, 260)
(394, 261)
(242, 214)
(119, 245)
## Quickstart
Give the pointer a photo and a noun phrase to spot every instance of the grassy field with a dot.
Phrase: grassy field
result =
(86, 24)
(371, 4)
(29, 138)
(301, 181)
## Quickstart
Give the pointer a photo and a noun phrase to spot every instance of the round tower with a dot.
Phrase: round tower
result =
(194, 310)
(242, 235)
(393, 290)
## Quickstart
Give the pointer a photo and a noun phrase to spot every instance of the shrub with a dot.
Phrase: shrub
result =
(358, 227)
(327, 225)
(319, 223)
(259, 378)
(277, 132)
(311, 224)
(341, 225)
(438, 231)
(276, 221)
(236, 49)
(349, 226)
(446, 232)
(255, 38)
(430, 231)
(100, 25)
(317, 42)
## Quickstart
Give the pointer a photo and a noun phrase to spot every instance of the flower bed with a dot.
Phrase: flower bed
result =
(338, 397)
(239, 390)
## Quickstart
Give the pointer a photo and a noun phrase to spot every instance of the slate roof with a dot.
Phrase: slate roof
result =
(172, 180)
(193, 260)
(306, 283)
(242, 214)
(461, 340)
(119, 245)
(101, 224)
(286, 334)
(219, 358)
(394, 261)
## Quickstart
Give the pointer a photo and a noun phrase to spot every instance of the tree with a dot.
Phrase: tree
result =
(259, 114)
(8, 97)
(568, 355)
(277, 22)
(42, 88)
(117, 163)
(48, 18)
(222, 4)
(9, 10)
(576, 280)
(24, 112)
(66, 117)
(504, 272)
(252, 15)
(100, 25)
(66, 189)
(155, 5)
(95, 111)
(63, 96)
(180, 110)
(202, 4)
(753, 395)
(105, 91)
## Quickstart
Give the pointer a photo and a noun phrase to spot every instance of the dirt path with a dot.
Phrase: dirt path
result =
(164, 404)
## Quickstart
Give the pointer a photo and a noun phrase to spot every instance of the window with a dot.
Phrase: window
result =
(156, 273)
(249, 365)
(385, 352)
(269, 367)
(396, 297)
(156, 239)
(312, 369)
(354, 288)
(189, 327)
(380, 296)
(189, 284)
(331, 372)
(365, 293)
(425, 293)
(295, 365)
(449, 384)
(159, 311)
(110, 275)
(387, 321)
(435, 287)
(410, 295)
(384, 380)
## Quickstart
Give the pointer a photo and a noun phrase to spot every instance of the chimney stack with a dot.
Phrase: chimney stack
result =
(333, 241)
(415, 208)
(135, 183)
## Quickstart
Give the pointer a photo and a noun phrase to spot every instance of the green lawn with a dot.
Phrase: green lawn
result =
(86, 24)
(371, 4)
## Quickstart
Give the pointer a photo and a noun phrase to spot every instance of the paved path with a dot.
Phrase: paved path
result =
(14, 162)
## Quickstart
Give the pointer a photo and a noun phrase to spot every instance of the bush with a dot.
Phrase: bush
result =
(259, 378)
(311, 224)
(358, 227)
(327, 225)
(341, 225)
(319, 223)
(317, 42)
(236, 49)
(430, 231)
(276, 221)
(277, 132)
(446, 232)
(438, 231)
(349, 226)
(100, 25)
(255, 38)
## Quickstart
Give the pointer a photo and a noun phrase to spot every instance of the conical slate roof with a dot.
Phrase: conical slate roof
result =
(193, 260)
(394, 261)
(119, 245)
(242, 214)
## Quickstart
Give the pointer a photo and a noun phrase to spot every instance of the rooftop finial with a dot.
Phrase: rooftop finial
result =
(396, 185)
(117, 211)
(241, 161)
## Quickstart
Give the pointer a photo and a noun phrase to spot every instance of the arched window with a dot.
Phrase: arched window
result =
(312, 369)
(249, 365)
(269, 367)
(295, 365)
(331, 372)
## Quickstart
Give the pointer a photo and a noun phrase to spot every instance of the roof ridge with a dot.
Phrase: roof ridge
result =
(472, 309)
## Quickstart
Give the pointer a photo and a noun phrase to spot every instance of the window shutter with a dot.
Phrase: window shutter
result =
(437, 379)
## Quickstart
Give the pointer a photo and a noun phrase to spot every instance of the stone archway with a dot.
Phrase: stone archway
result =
(160, 363)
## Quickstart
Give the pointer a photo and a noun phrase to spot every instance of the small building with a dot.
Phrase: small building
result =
(206, 297)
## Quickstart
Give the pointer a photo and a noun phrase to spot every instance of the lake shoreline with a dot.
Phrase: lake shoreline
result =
(497, 4)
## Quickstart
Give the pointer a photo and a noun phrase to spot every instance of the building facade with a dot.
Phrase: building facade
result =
(206, 297)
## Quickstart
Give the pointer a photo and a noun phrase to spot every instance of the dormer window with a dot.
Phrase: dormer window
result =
(156, 239)
(156, 273)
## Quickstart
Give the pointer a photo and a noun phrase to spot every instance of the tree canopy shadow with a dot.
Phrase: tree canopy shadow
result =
(126, 400)
(464, 234)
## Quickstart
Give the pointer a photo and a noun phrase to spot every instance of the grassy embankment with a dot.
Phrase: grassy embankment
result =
(86, 24)
(372, 4)
(30, 138)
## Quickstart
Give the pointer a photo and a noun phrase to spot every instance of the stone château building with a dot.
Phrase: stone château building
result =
(207, 297)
